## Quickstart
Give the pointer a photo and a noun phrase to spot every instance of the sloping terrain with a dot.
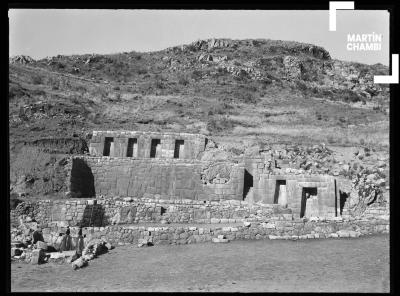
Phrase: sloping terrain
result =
(240, 93)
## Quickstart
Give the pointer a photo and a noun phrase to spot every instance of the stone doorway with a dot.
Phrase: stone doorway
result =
(280, 192)
(309, 202)
(247, 184)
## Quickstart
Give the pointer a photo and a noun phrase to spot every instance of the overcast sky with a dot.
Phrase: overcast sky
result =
(48, 32)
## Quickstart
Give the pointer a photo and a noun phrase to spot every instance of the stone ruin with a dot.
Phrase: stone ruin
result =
(130, 178)
(169, 166)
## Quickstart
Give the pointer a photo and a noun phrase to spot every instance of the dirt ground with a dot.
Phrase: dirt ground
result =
(331, 265)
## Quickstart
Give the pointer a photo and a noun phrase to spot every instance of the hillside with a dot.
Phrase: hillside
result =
(238, 92)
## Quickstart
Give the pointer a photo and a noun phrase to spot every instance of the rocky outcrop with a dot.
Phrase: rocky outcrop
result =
(366, 190)
(292, 66)
(317, 52)
(209, 44)
(218, 173)
(205, 58)
(21, 59)
(212, 58)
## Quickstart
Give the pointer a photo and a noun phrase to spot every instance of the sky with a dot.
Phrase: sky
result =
(48, 32)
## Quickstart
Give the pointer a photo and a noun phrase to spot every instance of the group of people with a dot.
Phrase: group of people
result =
(66, 241)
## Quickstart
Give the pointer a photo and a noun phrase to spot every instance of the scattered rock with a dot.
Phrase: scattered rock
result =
(347, 233)
(381, 164)
(57, 255)
(381, 182)
(109, 246)
(79, 263)
(246, 224)
(144, 242)
(220, 239)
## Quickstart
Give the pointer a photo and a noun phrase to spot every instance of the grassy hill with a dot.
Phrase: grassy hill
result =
(239, 92)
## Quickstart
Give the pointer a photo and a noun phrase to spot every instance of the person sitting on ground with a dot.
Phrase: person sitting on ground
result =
(80, 245)
(66, 243)
(37, 235)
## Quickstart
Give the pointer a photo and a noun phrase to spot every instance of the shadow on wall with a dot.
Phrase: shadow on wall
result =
(343, 197)
(82, 179)
(94, 216)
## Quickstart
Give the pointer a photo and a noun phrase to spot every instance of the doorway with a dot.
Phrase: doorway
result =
(307, 191)
(277, 189)
(248, 183)
(343, 198)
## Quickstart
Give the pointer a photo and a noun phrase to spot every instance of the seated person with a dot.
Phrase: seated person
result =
(37, 235)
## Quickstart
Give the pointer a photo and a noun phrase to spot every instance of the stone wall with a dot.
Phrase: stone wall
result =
(261, 221)
(103, 212)
(168, 178)
(266, 177)
(14, 218)
(192, 144)
(278, 228)
(325, 189)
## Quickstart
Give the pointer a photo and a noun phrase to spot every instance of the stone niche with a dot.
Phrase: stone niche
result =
(136, 144)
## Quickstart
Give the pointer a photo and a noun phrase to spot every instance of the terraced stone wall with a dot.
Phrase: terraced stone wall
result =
(103, 212)
(168, 179)
(277, 228)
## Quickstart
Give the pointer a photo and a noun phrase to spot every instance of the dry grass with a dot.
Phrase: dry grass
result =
(372, 135)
